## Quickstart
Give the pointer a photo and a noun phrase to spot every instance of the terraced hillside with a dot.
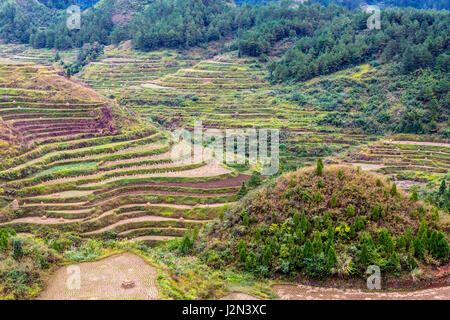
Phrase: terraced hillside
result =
(408, 159)
(121, 68)
(74, 161)
(175, 89)
(24, 53)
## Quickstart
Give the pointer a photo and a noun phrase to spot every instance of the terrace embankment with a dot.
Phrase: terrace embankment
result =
(85, 166)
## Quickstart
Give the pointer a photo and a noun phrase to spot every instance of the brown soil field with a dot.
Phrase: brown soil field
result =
(300, 292)
(102, 280)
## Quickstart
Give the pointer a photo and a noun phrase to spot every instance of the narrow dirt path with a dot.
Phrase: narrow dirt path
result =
(102, 280)
(300, 292)
(420, 143)
(140, 219)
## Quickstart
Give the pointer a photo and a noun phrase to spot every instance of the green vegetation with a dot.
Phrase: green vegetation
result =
(87, 169)
(286, 231)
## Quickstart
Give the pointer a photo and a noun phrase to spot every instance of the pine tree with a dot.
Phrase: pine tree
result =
(4, 237)
(17, 248)
(442, 188)
(267, 256)
(331, 258)
(419, 248)
(386, 242)
(245, 220)
(242, 191)
(333, 201)
(394, 189)
(319, 167)
(308, 250)
(255, 180)
(242, 250)
(351, 210)
(394, 262)
(317, 243)
(414, 196)
(250, 261)
(330, 232)
(365, 257)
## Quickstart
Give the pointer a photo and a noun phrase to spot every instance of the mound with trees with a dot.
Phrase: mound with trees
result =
(324, 222)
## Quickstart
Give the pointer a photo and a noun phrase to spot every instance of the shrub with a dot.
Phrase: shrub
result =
(331, 258)
(242, 250)
(4, 238)
(284, 251)
(318, 196)
(411, 264)
(343, 231)
(255, 180)
(285, 266)
(394, 262)
(333, 201)
(308, 250)
(305, 225)
(109, 234)
(317, 243)
(366, 255)
(245, 220)
(214, 259)
(438, 246)
(394, 189)
(330, 233)
(359, 224)
(250, 262)
(419, 247)
(89, 250)
(319, 167)
(296, 219)
(351, 210)
(414, 196)
(316, 267)
(242, 191)
(401, 243)
(385, 241)
(267, 256)
(376, 213)
(17, 248)
(185, 245)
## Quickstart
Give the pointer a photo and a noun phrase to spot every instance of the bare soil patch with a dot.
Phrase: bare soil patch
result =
(239, 296)
(367, 166)
(420, 143)
(301, 292)
(102, 280)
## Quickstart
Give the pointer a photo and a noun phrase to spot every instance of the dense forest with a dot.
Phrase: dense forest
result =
(353, 4)
(64, 4)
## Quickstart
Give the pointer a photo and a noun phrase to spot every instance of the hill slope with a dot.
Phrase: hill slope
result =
(335, 223)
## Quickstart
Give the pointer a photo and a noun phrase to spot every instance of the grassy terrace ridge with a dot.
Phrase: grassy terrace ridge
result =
(18, 53)
(81, 164)
(406, 159)
(200, 87)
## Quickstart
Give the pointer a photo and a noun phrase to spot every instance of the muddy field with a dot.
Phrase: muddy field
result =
(104, 279)
(300, 292)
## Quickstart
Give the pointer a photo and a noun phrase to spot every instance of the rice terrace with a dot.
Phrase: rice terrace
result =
(101, 198)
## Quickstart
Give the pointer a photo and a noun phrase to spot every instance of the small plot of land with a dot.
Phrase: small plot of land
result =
(102, 280)
(300, 292)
